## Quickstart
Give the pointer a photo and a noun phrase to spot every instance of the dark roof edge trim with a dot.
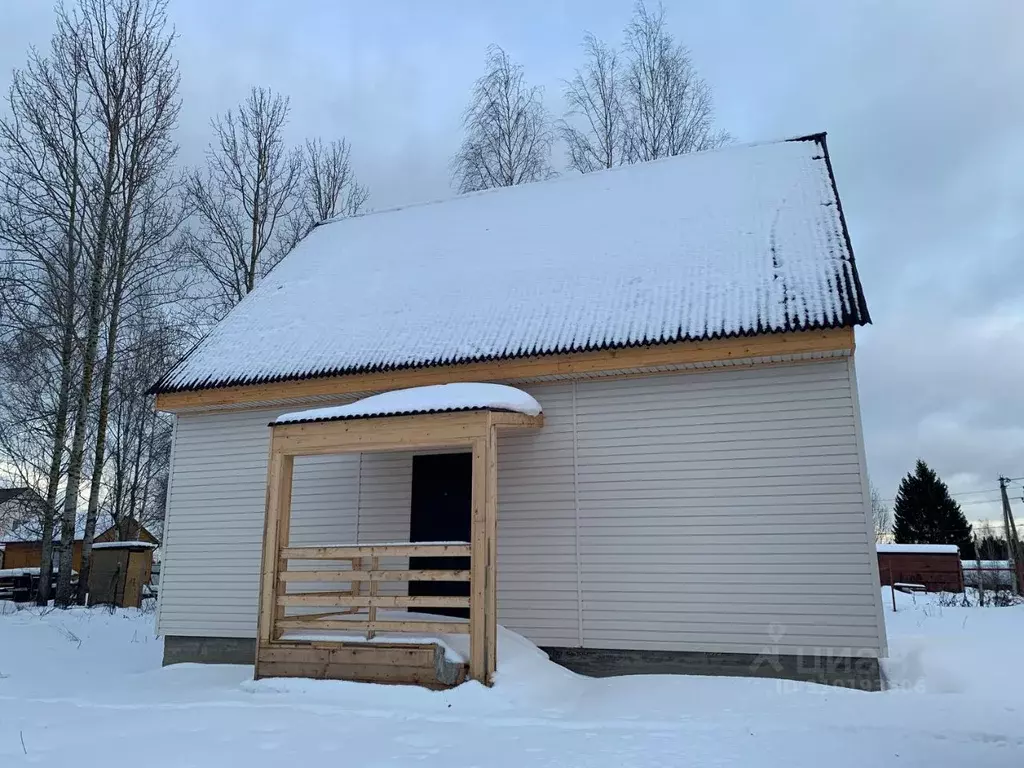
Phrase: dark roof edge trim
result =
(861, 304)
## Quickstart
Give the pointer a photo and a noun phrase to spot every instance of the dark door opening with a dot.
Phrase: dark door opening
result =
(442, 491)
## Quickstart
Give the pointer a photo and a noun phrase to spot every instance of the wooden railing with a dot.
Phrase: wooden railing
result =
(364, 576)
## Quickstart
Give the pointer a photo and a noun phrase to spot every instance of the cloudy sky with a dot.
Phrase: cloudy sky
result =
(923, 103)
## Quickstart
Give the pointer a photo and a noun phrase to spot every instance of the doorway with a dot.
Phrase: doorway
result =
(442, 493)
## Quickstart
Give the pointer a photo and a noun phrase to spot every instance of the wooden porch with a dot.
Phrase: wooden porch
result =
(321, 613)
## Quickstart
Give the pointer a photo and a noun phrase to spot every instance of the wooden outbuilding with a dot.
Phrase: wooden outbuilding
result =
(936, 567)
(119, 571)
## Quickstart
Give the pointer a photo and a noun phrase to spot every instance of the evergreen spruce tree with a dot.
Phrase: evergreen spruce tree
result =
(925, 513)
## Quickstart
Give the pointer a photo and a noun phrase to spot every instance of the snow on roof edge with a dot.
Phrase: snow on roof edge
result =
(923, 549)
(123, 544)
(436, 398)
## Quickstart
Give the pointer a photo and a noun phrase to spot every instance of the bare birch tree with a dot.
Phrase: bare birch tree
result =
(41, 183)
(594, 130)
(87, 209)
(243, 199)
(508, 130)
(146, 216)
(669, 108)
(118, 41)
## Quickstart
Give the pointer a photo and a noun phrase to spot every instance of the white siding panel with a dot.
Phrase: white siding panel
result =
(724, 511)
(385, 496)
(538, 592)
(214, 530)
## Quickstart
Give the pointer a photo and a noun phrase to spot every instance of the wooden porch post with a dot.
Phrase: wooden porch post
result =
(478, 566)
(275, 535)
(483, 614)
(491, 517)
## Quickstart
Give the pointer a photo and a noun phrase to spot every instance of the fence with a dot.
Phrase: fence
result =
(992, 574)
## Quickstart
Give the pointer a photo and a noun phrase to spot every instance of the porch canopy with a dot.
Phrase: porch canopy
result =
(461, 415)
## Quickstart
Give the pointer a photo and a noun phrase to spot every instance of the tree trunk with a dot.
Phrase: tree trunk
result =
(64, 394)
(92, 339)
(101, 440)
(56, 457)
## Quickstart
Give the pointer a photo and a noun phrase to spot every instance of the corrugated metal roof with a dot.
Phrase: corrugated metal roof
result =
(743, 240)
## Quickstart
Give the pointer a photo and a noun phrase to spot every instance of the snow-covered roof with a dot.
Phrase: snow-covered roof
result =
(28, 531)
(124, 545)
(736, 241)
(438, 398)
(920, 549)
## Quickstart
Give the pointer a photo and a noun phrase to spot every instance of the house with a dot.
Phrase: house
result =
(936, 567)
(23, 547)
(670, 478)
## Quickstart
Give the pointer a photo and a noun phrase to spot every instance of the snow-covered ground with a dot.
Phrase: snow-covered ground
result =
(86, 688)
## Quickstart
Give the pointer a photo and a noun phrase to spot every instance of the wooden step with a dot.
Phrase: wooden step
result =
(422, 664)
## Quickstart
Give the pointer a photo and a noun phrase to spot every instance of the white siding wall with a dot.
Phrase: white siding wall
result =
(537, 574)
(214, 527)
(724, 511)
(385, 496)
(721, 510)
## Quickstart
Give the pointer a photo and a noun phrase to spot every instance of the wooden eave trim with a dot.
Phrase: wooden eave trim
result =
(594, 362)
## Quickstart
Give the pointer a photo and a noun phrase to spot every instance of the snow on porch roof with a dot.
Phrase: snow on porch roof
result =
(741, 240)
(438, 398)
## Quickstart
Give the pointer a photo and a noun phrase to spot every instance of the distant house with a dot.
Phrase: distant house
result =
(672, 479)
(23, 548)
(936, 567)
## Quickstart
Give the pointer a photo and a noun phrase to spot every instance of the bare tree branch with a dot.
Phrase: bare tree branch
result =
(329, 188)
(244, 197)
(594, 129)
(881, 517)
(669, 108)
(508, 130)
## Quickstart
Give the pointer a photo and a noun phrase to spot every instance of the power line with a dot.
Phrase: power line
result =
(955, 496)
(970, 493)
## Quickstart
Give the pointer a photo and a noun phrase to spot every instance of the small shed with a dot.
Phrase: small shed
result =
(119, 571)
(935, 566)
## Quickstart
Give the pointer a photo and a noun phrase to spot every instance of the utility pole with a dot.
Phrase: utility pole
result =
(1010, 529)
